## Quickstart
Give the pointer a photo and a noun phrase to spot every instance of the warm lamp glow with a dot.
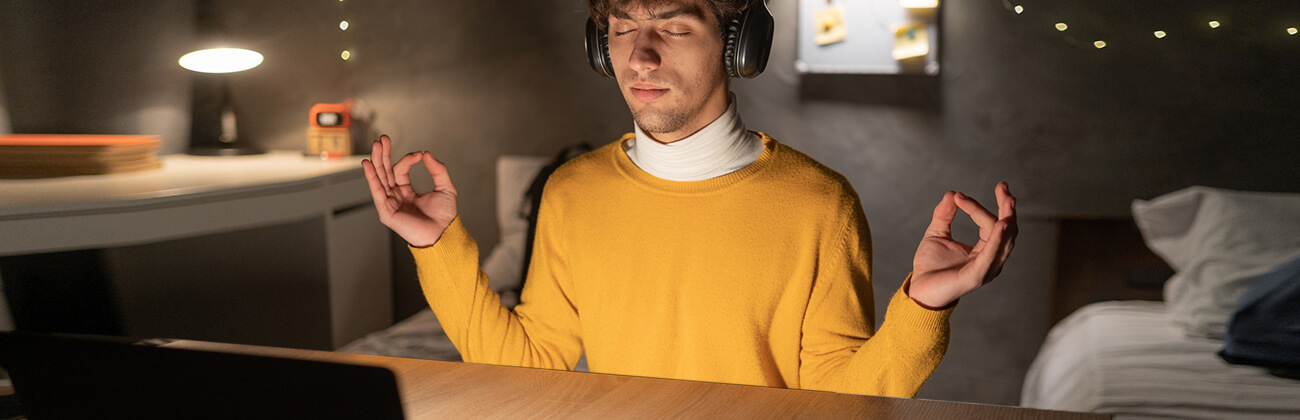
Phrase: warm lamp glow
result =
(1099, 44)
(343, 25)
(1291, 30)
(1214, 24)
(1160, 34)
(345, 55)
(1019, 9)
(1062, 26)
(221, 60)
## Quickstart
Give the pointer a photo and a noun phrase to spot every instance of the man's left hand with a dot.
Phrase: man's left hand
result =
(945, 269)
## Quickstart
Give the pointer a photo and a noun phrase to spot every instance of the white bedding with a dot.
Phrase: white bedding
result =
(1130, 360)
(418, 337)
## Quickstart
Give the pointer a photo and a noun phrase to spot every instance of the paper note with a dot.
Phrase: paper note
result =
(919, 4)
(829, 24)
(910, 41)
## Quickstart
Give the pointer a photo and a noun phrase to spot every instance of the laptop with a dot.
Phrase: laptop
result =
(81, 377)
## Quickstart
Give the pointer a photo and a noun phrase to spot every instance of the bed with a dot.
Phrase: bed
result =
(1160, 359)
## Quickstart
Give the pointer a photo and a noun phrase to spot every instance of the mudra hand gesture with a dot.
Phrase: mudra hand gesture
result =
(420, 219)
(943, 269)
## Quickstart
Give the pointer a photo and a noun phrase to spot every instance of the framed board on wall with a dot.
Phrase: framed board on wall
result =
(868, 36)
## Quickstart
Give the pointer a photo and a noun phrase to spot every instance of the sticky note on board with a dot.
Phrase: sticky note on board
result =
(919, 4)
(910, 41)
(829, 25)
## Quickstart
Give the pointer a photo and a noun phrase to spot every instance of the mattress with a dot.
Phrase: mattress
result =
(1130, 360)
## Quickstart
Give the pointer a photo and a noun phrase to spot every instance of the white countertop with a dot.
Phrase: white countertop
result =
(181, 178)
(188, 196)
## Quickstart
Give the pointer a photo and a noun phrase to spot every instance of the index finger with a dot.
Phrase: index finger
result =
(441, 177)
(977, 212)
(402, 169)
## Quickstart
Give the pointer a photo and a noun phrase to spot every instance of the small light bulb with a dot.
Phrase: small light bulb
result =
(1291, 30)
(1020, 9)
(1099, 44)
(343, 25)
(346, 55)
(1160, 34)
(1061, 26)
(1214, 24)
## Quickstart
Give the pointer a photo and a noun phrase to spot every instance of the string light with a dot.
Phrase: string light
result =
(1100, 44)
(346, 55)
(343, 26)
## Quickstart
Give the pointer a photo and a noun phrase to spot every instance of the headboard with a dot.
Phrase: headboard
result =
(1103, 259)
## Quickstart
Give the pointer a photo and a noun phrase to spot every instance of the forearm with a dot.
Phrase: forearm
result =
(483, 330)
(895, 361)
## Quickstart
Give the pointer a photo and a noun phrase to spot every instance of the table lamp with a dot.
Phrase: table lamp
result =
(214, 129)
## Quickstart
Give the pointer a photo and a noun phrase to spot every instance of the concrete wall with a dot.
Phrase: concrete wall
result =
(1078, 132)
(97, 67)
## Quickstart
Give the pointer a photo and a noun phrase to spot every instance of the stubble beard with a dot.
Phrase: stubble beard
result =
(665, 121)
(661, 119)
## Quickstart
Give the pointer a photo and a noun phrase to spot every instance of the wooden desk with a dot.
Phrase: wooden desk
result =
(434, 389)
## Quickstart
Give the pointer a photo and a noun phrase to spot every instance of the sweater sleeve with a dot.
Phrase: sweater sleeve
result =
(838, 349)
(541, 332)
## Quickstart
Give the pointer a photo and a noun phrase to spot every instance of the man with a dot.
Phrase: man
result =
(692, 248)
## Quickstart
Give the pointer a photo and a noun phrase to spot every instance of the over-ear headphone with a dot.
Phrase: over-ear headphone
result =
(748, 42)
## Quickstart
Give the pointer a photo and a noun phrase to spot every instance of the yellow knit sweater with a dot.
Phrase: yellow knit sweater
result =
(759, 277)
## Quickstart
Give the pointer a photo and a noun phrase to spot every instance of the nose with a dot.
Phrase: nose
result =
(645, 56)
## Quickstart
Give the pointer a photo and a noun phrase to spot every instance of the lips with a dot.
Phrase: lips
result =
(647, 95)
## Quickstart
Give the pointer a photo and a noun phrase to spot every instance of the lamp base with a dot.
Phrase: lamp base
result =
(224, 149)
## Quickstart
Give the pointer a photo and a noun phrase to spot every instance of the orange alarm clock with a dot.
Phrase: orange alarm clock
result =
(330, 134)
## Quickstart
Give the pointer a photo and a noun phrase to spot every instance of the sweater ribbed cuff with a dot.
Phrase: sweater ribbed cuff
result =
(907, 314)
(454, 245)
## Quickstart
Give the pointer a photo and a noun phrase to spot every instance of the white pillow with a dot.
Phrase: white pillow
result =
(1216, 240)
(503, 264)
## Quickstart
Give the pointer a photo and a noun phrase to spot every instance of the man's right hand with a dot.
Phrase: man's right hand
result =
(420, 219)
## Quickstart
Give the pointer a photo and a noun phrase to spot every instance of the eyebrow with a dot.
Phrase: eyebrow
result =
(690, 11)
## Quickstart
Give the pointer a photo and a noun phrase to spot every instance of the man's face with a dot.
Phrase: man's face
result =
(668, 62)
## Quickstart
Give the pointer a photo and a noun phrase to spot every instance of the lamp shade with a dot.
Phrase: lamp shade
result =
(221, 60)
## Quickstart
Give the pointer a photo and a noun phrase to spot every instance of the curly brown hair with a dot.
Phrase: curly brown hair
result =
(601, 9)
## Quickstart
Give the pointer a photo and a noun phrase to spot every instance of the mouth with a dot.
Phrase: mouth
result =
(647, 94)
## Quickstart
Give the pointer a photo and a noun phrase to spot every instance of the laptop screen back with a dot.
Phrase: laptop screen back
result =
(78, 377)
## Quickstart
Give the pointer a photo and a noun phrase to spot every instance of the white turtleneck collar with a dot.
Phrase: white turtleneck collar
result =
(720, 148)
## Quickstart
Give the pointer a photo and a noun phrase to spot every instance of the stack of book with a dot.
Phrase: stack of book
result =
(53, 155)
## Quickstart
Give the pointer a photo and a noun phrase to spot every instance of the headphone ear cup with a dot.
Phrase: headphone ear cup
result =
(729, 36)
(597, 45)
(749, 41)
